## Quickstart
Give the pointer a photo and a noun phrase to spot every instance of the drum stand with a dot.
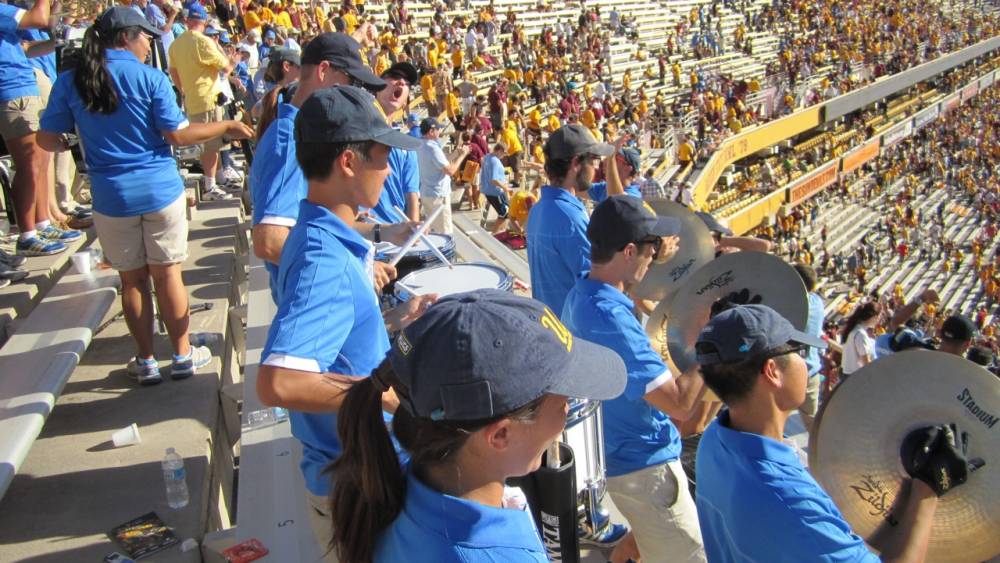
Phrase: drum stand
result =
(552, 497)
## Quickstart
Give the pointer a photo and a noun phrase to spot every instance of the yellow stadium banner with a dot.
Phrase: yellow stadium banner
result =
(745, 144)
(804, 188)
(860, 155)
(744, 220)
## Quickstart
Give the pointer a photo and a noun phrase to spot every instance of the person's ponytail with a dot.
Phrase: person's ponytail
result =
(369, 484)
(92, 80)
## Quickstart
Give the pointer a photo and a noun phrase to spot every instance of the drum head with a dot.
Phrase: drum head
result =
(674, 326)
(386, 250)
(460, 278)
(854, 450)
(696, 248)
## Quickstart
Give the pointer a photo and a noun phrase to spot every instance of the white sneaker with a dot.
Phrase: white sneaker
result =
(215, 194)
(228, 175)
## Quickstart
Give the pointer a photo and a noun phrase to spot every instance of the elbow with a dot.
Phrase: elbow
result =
(268, 391)
(49, 141)
(172, 138)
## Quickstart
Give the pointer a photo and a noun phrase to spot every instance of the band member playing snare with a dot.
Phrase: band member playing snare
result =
(642, 446)
(756, 502)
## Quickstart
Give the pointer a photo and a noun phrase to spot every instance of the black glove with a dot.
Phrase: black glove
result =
(741, 297)
(937, 455)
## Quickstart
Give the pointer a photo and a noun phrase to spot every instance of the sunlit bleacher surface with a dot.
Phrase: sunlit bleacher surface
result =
(862, 138)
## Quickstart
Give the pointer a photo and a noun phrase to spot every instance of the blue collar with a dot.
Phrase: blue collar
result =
(120, 55)
(755, 446)
(323, 218)
(467, 523)
(287, 111)
(600, 290)
(559, 194)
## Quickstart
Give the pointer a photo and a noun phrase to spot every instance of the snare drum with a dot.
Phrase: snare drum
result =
(419, 255)
(462, 277)
(584, 434)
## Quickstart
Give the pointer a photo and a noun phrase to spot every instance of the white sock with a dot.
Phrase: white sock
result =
(42, 225)
(25, 235)
(209, 182)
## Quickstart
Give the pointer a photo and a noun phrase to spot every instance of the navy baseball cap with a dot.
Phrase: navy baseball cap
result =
(622, 219)
(282, 54)
(120, 17)
(633, 158)
(345, 114)
(746, 331)
(487, 353)
(195, 11)
(958, 327)
(572, 140)
(713, 224)
(908, 339)
(427, 124)
(342, 52)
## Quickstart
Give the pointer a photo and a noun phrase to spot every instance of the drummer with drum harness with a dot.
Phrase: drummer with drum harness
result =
(756, 501)
(642, 445)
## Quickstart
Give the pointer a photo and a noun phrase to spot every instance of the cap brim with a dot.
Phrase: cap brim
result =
(600, 149)
(393, 138)
(803, 338)
(592, 372)
(366, 76)
(150, 30)
(667, 226)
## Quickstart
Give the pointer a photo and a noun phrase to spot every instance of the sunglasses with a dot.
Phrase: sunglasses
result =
(657, 243)
(800, 349)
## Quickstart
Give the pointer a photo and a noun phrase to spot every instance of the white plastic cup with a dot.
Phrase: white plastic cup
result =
(82, 262)
(127, 436)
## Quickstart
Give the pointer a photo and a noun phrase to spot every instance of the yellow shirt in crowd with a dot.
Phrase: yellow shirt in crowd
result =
(197, 60)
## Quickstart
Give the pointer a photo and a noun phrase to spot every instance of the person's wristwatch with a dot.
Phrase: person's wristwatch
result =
(377, 233)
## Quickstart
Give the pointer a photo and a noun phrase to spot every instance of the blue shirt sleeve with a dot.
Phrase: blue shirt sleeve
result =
(316, 311)
(410, 173)
(643, 365)
(58, 117)
(8, 23)
(167, 116)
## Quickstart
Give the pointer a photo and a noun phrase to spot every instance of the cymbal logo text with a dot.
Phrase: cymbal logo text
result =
(720, 281)
(975, 410)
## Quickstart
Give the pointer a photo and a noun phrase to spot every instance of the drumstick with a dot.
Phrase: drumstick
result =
(407, 289)
(425, 240)
(552, 460)
(416, 234)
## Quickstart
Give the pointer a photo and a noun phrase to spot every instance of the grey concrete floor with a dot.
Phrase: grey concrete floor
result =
(74, 486)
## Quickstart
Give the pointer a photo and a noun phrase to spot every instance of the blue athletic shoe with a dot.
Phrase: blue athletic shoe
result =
(184, 366)
(608, 536)
(53, 232)
(146, 372)
(37, 246)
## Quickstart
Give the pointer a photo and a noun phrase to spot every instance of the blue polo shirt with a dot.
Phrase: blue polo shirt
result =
(17, 76)
(492, 169)
(328, 320)
(757, 503)
(131, 168)
(814, 326)
(433, 181)
(45, 63)
(277, 185)
(598, 191)
(447, 529)
(403, 179)
(637, 435)
(558, 248)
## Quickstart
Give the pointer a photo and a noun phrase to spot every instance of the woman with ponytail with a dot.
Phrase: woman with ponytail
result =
(126, 115)
(859, 343)
(482, 380)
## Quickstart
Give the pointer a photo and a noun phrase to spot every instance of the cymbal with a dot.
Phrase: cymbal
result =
(675, 323)
(854, 448)
(696, 248)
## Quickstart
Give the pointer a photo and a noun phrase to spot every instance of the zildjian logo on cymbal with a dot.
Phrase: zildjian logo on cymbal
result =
(873, 492)
(679, 271)
(720, 281)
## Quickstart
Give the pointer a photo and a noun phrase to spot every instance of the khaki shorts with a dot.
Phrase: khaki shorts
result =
(158, 238)
(211, 116)
(20, 116)
(443, 222)
(321, 522)
(659, 508)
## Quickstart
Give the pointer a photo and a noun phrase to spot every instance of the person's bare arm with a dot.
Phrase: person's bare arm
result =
(37, 17)
(52, 142)
(413, 206)
(33, 49)
(907, 542)
(268, 240)
(903, 313)
(456, 158)
(307, 391)
(678, 396)
(197, 133)
(614, 182)
(752, 244)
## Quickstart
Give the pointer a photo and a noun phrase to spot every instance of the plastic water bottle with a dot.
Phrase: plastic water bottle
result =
(204, 338)
(175, 479)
